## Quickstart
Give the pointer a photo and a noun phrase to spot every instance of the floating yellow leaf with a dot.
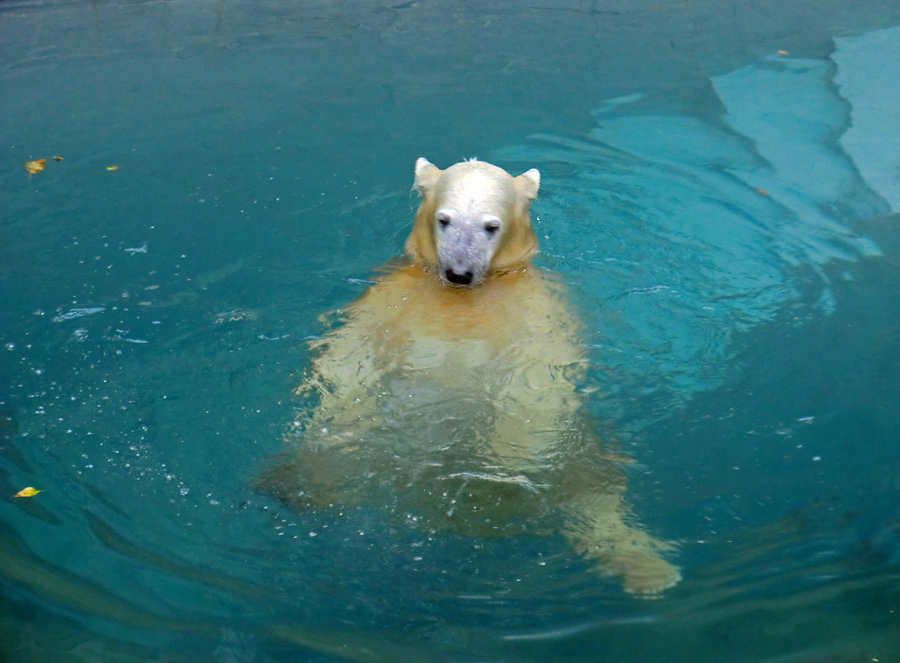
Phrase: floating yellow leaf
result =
(35, 166)
(762, 192)
(783, 53)
(56, 158)
(27, 492)
(112, 167)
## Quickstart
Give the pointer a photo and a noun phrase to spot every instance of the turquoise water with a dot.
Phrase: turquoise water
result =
(726, 216)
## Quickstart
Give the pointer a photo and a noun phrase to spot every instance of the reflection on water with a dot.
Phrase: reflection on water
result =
(728, 223)
(701, 225)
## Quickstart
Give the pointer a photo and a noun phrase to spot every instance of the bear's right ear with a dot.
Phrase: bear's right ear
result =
(427, 175)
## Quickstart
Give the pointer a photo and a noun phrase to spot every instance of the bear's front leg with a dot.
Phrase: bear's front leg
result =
(595, 524)
(587, 484)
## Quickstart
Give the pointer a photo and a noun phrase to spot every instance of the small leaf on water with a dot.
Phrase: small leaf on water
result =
(35, 166)
(27, 492)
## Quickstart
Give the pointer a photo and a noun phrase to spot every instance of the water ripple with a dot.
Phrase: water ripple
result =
(704, 226)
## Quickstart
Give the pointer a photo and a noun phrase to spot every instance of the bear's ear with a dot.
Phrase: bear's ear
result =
(528, 183)
(427, 175)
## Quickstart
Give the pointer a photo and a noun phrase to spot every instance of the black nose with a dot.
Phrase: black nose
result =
(459, 279)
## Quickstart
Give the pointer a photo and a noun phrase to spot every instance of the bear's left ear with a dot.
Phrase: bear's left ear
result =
(528, 183)
(427, 175)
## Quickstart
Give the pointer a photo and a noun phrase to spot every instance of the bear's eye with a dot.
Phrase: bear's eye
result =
(491, 227)
(443, 220)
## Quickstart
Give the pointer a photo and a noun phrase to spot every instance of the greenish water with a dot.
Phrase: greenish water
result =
(726, 217)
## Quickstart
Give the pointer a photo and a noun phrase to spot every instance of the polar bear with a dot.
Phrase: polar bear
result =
(449, 392)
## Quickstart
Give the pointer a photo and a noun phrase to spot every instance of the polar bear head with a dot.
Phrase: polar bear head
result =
(473, 221)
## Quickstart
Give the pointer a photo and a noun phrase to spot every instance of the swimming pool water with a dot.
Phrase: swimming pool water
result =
(720, 190)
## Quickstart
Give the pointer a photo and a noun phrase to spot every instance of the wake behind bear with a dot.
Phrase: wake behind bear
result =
(451, 385)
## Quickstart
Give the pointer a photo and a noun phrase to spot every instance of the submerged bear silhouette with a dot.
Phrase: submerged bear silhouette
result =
(450, 390)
